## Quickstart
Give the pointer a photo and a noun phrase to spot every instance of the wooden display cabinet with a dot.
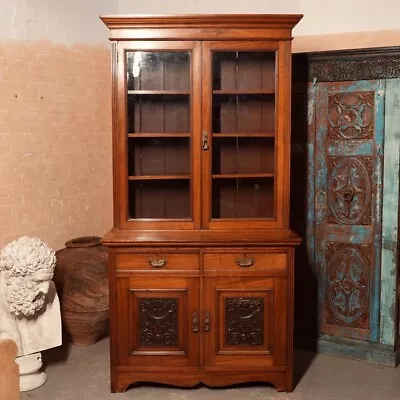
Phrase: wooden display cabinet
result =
(201, 254)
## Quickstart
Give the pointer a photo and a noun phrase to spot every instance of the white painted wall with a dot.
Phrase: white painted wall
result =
(340, 16)
(60, 21)
(209, 6)
(69, 21)
(320, 17)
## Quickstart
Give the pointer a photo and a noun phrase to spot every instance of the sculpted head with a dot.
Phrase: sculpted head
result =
(28, 266)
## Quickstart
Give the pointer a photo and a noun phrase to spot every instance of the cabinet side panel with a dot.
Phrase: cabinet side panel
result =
(283, 126)
(115, 132)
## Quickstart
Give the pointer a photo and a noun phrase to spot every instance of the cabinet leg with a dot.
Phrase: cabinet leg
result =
(116, 385)
(289, 381)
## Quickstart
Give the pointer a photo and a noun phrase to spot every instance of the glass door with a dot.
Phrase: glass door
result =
(159, 103)
(242, 132)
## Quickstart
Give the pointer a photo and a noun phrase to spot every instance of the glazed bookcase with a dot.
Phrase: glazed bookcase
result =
(201, 254)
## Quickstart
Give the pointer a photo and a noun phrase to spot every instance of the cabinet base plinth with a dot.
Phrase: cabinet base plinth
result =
(282, 380)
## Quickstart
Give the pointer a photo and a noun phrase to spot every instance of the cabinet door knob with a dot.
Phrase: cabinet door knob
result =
(245, 262)
(195, 322)
(157, 263)
(207, 322)
(204, 140)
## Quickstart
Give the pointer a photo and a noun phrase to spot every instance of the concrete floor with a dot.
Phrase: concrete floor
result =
(79, 373)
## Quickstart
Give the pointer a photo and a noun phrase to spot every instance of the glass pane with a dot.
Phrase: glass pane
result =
(241, 155)
(249, 113)
(158, 113)
(158, 70)
(243, 198)
(159, 199)
(243, 92)
(158, 156)
(159, 134)
(243, 128)
(158, 92)
(244, 71)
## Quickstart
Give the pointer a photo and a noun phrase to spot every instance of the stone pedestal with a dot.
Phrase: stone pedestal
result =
(30, 376)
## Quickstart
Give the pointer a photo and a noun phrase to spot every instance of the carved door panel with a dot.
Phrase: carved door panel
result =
(348, 186)
(158, 318)
(244, 322)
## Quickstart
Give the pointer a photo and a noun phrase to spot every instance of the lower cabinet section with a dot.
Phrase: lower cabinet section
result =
(220, 317)
(246, 319)
(160, 319)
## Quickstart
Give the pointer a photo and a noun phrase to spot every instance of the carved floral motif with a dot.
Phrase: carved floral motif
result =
(158, 322)
(347, 286)
(351, 115)
(244, 321)
(349, 190)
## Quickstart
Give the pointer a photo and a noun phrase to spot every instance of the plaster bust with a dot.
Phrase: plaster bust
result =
(29, 305)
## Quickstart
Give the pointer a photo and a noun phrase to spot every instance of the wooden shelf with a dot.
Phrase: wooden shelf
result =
(244, 92)
(159, 135)
(159, 92)
(157, 177)
(238, 176)
(242, 134)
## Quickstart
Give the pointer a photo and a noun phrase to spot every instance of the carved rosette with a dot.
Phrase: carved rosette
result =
(347, 286)
(351, 115)
(244, 321)
(349, 190)
(158, 322)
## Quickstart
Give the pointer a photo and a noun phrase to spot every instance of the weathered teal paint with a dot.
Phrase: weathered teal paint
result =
(358, 349)
(377, 204)
(355, 147)
(359, 86)
(321, 179)
(351, 233)
(310, 229)
(390, 213)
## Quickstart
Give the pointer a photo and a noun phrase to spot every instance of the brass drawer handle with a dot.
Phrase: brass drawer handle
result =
(245, 262)
(207, 322)
(157, 263)
(195, 322)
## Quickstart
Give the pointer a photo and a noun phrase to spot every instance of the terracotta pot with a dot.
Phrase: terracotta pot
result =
(82, 282)
(84, 311)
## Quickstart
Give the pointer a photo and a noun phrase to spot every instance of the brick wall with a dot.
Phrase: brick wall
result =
(55, 141)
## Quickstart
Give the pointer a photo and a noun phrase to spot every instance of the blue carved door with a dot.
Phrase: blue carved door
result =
(348, 188)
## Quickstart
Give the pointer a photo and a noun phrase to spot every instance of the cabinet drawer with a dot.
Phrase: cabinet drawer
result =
(273, 262)
(157, 261)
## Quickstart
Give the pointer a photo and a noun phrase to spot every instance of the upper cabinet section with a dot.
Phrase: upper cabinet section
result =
(201, 127)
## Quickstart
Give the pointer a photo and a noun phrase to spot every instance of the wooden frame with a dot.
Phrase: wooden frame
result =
(282, 132)
(121, 137)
